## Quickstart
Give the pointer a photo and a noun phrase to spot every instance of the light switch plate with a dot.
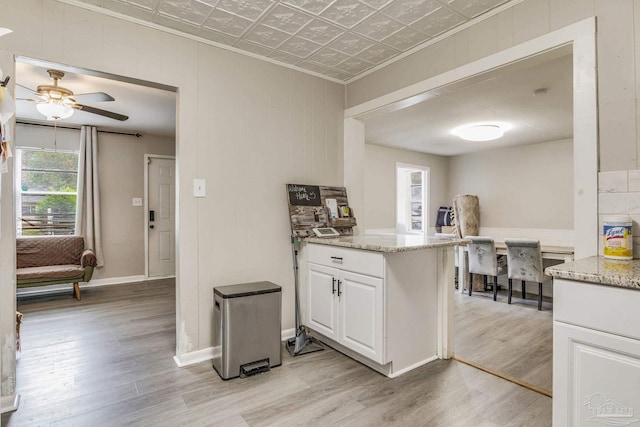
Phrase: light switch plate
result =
(199, 188)
(136, 201)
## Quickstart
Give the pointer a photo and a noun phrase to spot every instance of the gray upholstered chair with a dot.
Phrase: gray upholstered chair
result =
(524, 259)
(483, 260)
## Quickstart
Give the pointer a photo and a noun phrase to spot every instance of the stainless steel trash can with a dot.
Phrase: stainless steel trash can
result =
(246, 328)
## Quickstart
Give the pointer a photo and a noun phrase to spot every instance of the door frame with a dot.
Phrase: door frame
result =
(145, 208)
(581, 36)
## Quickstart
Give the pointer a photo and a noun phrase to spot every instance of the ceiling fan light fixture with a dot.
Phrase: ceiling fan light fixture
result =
(53, 110)
(479, 132)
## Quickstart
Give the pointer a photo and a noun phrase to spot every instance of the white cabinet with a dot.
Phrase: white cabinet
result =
(322, 304)
(600, 376)
(380, 308)
(596, 359)
(347, 307)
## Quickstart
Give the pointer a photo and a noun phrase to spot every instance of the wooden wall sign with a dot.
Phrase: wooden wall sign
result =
(304, 195)
(307, 209)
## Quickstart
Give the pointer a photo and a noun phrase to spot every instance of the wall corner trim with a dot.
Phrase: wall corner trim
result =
(9, 403)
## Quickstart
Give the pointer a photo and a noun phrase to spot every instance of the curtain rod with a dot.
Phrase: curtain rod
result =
(137, 135)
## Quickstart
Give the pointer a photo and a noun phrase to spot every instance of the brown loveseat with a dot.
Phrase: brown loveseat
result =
(51, 260)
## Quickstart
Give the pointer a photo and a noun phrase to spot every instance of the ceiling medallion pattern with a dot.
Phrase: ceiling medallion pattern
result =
(337, 38)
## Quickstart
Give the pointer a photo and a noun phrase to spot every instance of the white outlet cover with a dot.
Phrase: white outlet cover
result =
(136, 201)
(199, 188)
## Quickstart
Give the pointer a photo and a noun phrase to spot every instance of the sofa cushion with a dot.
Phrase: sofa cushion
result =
(53, 272)
(48, 250)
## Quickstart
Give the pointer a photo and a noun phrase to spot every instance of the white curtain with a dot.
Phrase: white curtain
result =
(88, 201)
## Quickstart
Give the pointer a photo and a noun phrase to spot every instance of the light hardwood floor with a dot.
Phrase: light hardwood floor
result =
(515, 340)
(107, 361)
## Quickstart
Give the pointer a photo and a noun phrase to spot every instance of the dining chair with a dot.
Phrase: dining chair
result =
(524, 260)
(483, 260)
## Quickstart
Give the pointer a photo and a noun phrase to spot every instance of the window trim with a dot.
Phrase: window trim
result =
(19, 193)
(404, 199)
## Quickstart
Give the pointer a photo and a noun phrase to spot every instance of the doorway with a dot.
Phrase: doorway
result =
(580, 38)
(159, 202)
(122, 155)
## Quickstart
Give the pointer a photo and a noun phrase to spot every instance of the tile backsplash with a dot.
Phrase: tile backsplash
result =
(619, 194)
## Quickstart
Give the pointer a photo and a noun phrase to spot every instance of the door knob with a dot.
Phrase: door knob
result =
(151, 226)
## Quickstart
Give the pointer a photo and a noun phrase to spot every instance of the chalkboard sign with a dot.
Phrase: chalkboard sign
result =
(304, 195)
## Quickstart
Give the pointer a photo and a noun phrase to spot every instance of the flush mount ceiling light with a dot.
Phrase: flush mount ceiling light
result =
(479, 132)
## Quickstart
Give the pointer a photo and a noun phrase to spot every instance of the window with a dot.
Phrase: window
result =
(411, 204)
(46, 190)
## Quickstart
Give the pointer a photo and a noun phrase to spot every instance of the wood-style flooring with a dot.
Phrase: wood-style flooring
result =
(515, 340)
(107, 361)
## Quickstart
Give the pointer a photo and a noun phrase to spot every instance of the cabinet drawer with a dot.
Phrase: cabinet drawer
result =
(357, 261)
(603, 308)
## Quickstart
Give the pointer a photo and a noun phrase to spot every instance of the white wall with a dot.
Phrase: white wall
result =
(529, 186)
(121, 168)
(618, 44)
(380, 184)
(619, 194)
(245, 126)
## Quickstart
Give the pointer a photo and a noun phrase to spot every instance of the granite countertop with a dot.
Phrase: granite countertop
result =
(600, 270)
(388, 242)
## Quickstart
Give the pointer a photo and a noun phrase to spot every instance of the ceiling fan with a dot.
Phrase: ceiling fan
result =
(57, 103)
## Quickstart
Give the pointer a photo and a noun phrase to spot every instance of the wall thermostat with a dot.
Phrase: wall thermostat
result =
(326, 232)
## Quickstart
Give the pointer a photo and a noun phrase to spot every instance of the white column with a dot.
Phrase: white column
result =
(354, 164)
(585, 142)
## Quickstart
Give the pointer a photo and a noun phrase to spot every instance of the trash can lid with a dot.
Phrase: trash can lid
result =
(246, 289)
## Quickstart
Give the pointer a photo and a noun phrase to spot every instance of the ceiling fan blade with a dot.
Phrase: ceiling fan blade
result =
(33, 92)
(27, 99)
(100, 112)
(94, 97)
(28, 89)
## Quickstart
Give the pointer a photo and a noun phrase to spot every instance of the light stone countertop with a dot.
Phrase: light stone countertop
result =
(600, 270)
(388, 242)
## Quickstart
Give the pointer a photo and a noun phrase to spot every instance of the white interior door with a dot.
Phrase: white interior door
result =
(161, 217)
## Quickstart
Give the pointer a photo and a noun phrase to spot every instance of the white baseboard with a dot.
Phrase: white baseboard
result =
(194, 357)
(9, 403)
(287, 333)
(52, 289)
(208, 353)
(414, 366)
(115, 281)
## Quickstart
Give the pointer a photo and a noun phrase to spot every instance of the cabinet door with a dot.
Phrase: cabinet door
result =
(596, 377)
(322, 300)
(361, 314)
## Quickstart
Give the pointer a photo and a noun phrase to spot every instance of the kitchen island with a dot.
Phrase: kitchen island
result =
(596, 342)
(384, 300)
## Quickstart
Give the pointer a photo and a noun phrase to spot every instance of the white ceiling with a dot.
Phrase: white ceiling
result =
(336, 38)
(150, 110)
(505, 95)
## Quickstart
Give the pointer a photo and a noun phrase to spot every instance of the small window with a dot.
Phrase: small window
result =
(46, 191)
(411, 204)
